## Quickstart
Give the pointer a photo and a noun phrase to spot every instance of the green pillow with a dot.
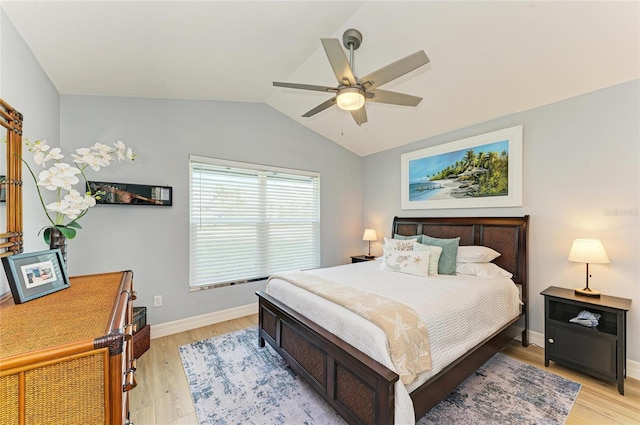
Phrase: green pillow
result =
(447, 262)
(418, 238)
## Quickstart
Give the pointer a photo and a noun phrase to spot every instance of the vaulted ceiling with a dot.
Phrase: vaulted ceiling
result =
(488, 59)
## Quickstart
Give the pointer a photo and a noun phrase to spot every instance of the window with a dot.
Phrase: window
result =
(249, 221)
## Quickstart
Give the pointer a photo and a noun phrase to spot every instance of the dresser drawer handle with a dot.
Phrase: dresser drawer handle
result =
(129, 381)
(551, 341)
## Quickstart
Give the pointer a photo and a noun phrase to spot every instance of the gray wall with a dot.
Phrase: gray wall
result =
(581, 179)
(25, 86)
(154, 241)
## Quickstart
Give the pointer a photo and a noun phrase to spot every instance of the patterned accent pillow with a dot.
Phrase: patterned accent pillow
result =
(434, 256)
(399, 244)
(411, 262)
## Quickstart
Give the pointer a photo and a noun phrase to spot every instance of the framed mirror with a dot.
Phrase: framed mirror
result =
(11, 182)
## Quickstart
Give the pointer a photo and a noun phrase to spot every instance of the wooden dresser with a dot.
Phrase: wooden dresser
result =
(67, 358)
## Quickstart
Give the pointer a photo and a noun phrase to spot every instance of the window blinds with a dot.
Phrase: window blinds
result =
(249, 221)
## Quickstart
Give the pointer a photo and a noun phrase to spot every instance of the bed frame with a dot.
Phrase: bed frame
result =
(360, 389)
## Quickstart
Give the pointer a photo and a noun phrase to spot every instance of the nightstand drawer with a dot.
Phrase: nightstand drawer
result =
(587, 349)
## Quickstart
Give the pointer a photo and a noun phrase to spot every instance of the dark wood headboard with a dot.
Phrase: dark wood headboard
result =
(507, 235)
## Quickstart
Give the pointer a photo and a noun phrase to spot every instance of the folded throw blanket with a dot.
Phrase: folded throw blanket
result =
(406, 332)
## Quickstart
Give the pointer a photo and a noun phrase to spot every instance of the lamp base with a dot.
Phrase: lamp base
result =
(369, 256)
(587, 292)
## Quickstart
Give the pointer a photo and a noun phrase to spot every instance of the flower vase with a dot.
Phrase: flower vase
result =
(58, 240)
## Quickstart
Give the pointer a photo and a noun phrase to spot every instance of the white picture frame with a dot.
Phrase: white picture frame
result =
(446, 176)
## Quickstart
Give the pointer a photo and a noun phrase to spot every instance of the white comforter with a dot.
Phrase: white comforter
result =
(460, 311)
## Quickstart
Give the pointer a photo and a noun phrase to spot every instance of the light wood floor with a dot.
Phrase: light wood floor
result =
(162, 395)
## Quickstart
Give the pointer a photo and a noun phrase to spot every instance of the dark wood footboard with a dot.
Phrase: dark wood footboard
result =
(360, 389)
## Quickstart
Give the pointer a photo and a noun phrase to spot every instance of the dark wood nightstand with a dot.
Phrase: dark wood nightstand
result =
(361, 258)
(600, 351)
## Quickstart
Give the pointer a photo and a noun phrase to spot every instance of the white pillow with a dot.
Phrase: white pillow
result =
(411, 262)
(484, 270)
(434, 256)
(399, 244)
(475, 254)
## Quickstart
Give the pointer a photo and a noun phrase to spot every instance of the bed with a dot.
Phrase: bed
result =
(365, 391)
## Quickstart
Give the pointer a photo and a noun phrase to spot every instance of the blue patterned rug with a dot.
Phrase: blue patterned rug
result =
(233, 381)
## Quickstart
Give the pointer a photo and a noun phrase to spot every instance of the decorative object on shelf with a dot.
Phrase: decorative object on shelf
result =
(132, 194)
(588, 251)
(35, 274)
(369, 235)
(70, 205)
(586, 318)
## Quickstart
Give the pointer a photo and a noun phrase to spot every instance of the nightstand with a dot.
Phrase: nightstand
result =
(601, 351)
(361, 258)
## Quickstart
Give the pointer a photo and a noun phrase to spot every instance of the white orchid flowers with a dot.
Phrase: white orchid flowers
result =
(61, 177)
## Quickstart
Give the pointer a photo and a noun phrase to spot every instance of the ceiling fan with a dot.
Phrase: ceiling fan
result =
(352, 92)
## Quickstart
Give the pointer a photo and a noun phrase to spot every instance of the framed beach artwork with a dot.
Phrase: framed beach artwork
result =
(477, 172)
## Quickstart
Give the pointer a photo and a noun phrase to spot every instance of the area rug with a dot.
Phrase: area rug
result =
(234, 381)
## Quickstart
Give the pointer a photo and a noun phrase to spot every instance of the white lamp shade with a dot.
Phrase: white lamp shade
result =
(350, 99)
(369, 235)
(588, 251)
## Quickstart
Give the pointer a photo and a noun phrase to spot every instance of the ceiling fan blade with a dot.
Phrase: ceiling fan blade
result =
(394, 70)
(360, 116)
(305, 87)
(338, 61)
(394, 98)
(321, 107)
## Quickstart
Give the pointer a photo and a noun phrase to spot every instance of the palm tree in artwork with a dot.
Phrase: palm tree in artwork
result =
(469, 159)
(483, 158)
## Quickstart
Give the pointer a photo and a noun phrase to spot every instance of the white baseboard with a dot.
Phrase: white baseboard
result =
(633, 368)
(169, 328)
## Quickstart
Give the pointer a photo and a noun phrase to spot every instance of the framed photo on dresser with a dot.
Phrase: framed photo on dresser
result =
(35, 274)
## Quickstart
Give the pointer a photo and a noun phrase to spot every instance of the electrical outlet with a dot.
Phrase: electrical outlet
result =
(157, 301)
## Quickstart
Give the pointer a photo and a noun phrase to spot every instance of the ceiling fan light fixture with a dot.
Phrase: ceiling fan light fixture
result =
(350, 98)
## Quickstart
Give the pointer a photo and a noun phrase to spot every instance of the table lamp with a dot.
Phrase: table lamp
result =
(588, 251)
(369, 235)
